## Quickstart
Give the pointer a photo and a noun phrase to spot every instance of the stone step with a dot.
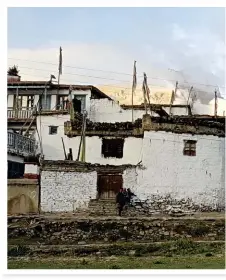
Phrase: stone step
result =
(107, 207)
(103, 207)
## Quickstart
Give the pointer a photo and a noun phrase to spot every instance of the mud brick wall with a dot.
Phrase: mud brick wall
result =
(23, 196)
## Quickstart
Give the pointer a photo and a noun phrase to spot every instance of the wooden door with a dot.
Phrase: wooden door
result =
(109, 185)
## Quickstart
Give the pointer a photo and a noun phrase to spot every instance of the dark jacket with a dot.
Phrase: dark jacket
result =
(120, 198)
(130, 195)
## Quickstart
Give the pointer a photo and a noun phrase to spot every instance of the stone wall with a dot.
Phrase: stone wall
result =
(23, 196)
(81, 231)
(67, 191)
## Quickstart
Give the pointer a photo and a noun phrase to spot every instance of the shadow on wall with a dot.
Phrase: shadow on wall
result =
(21, 204)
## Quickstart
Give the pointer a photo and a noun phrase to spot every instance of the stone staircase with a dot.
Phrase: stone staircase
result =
(108, 207)
(102, 207)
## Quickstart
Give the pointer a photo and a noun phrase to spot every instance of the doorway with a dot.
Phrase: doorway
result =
(109, 185)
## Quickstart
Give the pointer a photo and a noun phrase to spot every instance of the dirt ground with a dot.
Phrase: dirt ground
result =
(72, 216)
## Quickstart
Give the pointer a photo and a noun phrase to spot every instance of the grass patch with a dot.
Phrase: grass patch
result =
(121, 262)
(182, 247)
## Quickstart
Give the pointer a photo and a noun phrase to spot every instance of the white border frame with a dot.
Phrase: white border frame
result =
(3, 54)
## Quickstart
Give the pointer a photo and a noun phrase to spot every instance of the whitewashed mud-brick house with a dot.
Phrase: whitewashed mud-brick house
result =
(175, 160)
(38, 110)
(167, 161)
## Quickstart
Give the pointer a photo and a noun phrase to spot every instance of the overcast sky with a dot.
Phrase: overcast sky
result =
(188, 40)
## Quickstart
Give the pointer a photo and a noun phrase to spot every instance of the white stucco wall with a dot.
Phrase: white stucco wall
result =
(67, 191)
(221, 106)
(166, 176)
(53, 147)
(31, 168)
(104, 110)
(52, 144)
(177, 111)
(131, 152)
(168, 172)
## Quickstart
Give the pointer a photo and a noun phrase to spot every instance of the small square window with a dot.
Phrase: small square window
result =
(112, 148)
(53, 130)
(189, 148)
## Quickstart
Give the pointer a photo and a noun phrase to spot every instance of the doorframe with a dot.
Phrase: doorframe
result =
(104, 173)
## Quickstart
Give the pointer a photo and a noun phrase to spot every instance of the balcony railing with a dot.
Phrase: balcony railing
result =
(23, 113)
(21, 145)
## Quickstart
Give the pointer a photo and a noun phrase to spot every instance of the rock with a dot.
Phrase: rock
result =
(81, 242)
(132, 252)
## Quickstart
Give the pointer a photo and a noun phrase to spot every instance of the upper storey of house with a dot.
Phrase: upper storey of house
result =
(24, 97)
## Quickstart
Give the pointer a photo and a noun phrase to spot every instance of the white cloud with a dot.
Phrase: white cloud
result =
(198, 55)
(178, 33)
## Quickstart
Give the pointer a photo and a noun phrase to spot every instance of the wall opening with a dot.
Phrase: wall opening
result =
(112, 147)
(53, 130)
(189, 148)
(15, 170)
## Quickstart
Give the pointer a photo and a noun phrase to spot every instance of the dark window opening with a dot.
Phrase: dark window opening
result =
(77, 104)
(53, 130)
(15, 170)
(189, 148)
(112, 148)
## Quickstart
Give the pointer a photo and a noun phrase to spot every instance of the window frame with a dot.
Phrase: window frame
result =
(52, 127)
(62, 102)
(189, 148)
(112, 147)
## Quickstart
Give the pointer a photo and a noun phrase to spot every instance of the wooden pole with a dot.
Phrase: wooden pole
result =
(189, 94)
(172, 98)
(45, 99)
(132, 105)
(65, 155)
(134, 85)
(59, 71)
(34, 118)
(83, 156)
(58, 83)
(144, 93)
(148, 95)
(17, 101)
(80, 144)
(215, 104)
(71, 108)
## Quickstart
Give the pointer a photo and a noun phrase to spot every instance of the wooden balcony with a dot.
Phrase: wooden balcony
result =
(20, 115)
(21, 145)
